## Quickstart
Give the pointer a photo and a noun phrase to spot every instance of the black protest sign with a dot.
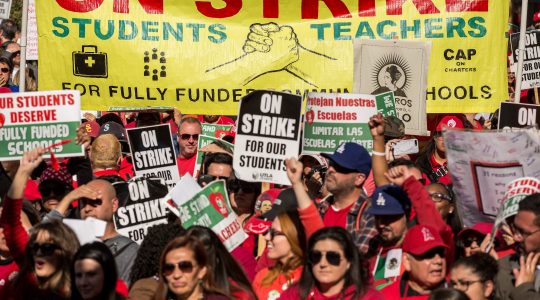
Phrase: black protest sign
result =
(143, 208)
(517, 115)
(531, 57)
(268, 132)
(153, 153)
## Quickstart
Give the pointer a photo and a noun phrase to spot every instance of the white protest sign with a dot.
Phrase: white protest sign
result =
(400, 66)
(87, 230)
(209, 207)
(152, 150)
(5, 9)
(32, 33)
(268, 133)
(483, 163)
(39, 119)
(516, 190)
(143, 208)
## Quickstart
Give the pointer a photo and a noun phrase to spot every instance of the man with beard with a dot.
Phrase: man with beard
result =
(424, 253)
(391, 206)
(347, 207)
(519, 276)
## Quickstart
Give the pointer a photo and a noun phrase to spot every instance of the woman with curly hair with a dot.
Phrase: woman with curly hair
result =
(334, 270)
(145, 272)
(286, 244)
(184, 272)
(475, 275)
(44, 257)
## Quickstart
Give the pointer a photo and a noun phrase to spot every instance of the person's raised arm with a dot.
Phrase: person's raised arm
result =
(378, 158)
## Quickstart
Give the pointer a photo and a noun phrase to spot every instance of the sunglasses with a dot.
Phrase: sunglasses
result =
(332, 257)
(431, 254)
(273, 233)
(92, 202)
(4, 70)
(209, 178)
(48, 190)
(340, 169)
(467, 242)
(184, 266)
(187, 136)
(47, 249)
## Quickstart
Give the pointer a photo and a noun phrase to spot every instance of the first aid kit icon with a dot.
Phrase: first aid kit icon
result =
(90, 63)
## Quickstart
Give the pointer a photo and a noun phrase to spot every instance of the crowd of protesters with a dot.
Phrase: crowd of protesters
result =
(350, 226)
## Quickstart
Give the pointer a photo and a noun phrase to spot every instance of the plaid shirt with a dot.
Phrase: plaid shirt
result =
(364, 237)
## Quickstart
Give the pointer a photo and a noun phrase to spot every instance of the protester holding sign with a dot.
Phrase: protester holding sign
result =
(44, 257)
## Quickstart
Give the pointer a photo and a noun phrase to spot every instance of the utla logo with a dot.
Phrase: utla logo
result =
(310, 116)
(218, 202)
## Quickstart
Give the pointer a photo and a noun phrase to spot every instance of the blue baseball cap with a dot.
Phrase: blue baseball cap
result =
(352, 156)
(389, 200)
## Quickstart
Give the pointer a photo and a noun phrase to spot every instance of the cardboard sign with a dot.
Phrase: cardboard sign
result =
(32, 32)
(268, 133)
(531, 58)
(5, 9)
(209, 207)
(483, 163)
(332, 119)
(215, 130)
(398, 66)
(203, 141)
(144, 208)
(518, 115)
(153, 153)
(39, 119)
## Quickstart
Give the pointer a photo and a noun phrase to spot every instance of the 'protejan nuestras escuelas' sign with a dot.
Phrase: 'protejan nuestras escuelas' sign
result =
(39, 119)
(332, 119)
(153, 153)
(205, 55)
(518, 115)
(143, 208)
(268, 133)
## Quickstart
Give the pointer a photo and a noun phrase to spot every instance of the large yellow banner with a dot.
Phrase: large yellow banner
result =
(203, 56)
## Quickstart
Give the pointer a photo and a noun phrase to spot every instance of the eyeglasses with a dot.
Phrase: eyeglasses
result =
(49, 189)
(47, 249)
(332, 257)
(520, 233)
(339, 168)
(184, 266)
(187, 136)
(438, 197)
(273, 233)
(463, 283)
(4, 70)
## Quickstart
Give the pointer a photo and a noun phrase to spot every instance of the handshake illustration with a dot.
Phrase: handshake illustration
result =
(273, 48)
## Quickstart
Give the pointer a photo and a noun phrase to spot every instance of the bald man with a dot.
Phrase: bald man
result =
(98, 199)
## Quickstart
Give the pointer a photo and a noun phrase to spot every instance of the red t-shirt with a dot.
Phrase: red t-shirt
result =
(186, 165)
(8, 271)
(440, 170)
(334, 217)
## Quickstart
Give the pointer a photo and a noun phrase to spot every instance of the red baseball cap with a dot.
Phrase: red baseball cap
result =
(449, 122)
(92, 128)
(483, 228)
(420, 239)
(536, 16)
